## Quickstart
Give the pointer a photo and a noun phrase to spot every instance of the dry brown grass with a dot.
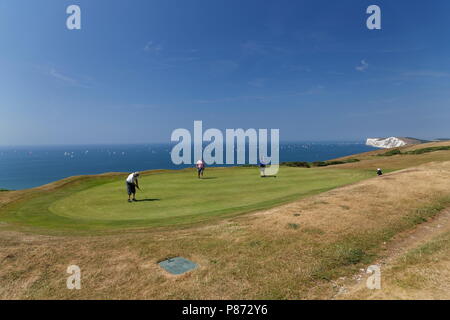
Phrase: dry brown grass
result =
(256, 255)
(417, 266)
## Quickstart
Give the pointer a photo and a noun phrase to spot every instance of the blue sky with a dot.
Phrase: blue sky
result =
(137, 70)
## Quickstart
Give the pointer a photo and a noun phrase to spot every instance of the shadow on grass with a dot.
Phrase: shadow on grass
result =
(147, 200)
(208, 178)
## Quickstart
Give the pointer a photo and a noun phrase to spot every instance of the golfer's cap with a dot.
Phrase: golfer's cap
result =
(136, 173)
(378, 169)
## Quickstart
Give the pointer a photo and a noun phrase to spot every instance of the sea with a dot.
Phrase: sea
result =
(23, 167)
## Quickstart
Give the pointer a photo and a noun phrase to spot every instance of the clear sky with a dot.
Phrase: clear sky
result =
(139, 69)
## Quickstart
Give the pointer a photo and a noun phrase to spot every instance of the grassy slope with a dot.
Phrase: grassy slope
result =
(176, 197)
(292, 251)
(418, 267)
(374, 159)
(370, 154)
(422, 273)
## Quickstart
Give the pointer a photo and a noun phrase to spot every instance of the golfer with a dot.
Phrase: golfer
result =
(262, 167)
(200, 168)
(379, 172)
(132, 184)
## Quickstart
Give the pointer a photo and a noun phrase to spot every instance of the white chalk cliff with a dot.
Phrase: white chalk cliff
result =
(386, 143)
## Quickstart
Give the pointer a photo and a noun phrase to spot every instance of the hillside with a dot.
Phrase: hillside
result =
(375, 159)
(168, 198)
(415, 266)
(302, 249)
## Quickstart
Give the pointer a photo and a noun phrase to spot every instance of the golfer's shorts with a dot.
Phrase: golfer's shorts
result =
(200, 169)
(131, 188)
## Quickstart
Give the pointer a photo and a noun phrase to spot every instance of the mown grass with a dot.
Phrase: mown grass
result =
(170, 198)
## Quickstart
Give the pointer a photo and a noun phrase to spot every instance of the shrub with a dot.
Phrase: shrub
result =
(417, 151)
(319, 164)
(333, 162)
(298, 164)
(294, 226)
(352, 160)
(303, 164)
(429, 149)
(390, 153)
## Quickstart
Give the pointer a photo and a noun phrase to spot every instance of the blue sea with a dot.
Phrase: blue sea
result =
(27, 167)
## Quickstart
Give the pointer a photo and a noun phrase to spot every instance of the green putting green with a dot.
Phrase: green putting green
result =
(172, 197)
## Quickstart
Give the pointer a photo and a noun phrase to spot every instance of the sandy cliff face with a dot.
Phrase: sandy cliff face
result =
(392, 142)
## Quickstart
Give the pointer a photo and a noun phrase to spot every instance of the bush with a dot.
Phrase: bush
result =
(417, 151)
(390, 153)
(429, 149)
(334, 162)
(352, 160)
(298, 164)
(303, 164)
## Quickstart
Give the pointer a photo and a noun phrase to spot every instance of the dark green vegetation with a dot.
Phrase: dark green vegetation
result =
(333, 162)
(302, 164)
(390, 153)
(297, 164)
(394, 152)
(430, 149)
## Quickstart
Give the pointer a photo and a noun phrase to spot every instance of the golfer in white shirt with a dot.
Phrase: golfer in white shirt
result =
(132, 184)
